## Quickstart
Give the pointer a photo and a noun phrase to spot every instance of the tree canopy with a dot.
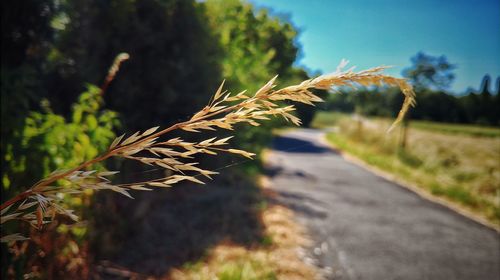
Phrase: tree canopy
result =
(430, 72)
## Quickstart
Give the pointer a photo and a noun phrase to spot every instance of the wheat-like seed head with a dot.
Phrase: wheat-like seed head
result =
(41, 202)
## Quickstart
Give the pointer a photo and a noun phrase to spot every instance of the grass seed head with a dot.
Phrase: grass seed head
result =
(42, 201)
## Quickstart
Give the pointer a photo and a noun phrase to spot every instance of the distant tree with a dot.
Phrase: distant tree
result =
(430, 75)
(430, 72)
(496, 102)
(497, 83)
(339, 102)
(481, 106)
(485, 86)
(487, 106)
(438, 106)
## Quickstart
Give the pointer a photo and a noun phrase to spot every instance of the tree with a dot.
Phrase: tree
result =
(174, 60)
(497, 83)
(487, 106)
(26, 31)
(430, 72)
(484, 89)
(256, 46)
(26, 38)
(496, 112)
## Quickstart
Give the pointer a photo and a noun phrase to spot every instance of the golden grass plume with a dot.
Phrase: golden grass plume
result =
(41, 202)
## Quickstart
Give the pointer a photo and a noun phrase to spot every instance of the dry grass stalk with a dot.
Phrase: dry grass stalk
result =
(40, 203)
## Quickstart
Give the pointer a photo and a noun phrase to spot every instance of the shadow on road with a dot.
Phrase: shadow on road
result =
(273, 171)
(299, 203)
(294, 145)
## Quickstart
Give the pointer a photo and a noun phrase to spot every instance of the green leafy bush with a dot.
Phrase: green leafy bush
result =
(50, 142)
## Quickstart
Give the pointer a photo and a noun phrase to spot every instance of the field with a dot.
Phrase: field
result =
(457, 129)
(457, 162)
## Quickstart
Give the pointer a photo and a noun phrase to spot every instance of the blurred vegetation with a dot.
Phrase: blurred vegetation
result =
(173, 69)
(50, 142)
(180, 52)
(257, 47)
(465, 129)
(431, 76)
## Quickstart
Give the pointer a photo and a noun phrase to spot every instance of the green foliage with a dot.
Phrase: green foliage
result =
(173, 70)
(371, 102)
(256, 46)
(408, 158)
(431, 105)
(248, 270)
(449, 128)
(49, 142)
(327, 119)
(482, 107)
(180, 51)
(177, 59)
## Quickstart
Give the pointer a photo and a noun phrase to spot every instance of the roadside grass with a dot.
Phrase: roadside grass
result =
(274, 258)
(462, 166)
(232, 229)
(462, 129)
(324, 119)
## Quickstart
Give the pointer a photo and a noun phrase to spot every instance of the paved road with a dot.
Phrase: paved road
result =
(365, 227)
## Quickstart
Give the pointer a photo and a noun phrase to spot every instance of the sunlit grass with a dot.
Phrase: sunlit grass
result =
(461, 166)
(327, 119)
(465, 129)
(274, 258)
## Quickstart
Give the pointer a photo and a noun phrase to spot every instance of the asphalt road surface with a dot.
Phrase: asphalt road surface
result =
(365, 227)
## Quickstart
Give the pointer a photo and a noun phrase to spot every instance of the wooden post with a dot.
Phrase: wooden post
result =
(404, 133)
(359, 126)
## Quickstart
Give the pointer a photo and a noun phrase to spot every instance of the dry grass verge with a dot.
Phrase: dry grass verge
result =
(279, 260)
(226, 231)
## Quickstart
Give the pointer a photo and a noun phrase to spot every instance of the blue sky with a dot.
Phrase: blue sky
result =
(388, 32)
